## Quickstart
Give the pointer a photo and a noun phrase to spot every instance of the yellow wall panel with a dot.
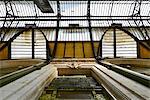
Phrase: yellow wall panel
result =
(88, 50)
(78, 50)
(4, 52)
(51, 46)
(144, 53)
(69, 50)
(60, 50)
(96, 44)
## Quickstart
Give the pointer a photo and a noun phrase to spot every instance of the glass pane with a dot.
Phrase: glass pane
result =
(73, 8)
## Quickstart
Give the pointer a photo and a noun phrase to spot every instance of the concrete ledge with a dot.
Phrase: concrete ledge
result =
(120, 86)
(5, 64)
(143, 79)
(134, 62)
(30, 86)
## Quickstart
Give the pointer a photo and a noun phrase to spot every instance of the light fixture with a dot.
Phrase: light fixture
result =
(44, 6)
(73, 25)
(116, 24)
(30, 25)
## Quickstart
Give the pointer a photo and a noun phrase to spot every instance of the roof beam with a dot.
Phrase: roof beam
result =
(80, 0)
(73, 19)
(80, 27)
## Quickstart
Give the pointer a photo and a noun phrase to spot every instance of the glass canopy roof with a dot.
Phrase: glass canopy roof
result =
(102, 13)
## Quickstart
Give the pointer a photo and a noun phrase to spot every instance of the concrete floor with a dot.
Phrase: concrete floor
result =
(31, 86)
(73, 87)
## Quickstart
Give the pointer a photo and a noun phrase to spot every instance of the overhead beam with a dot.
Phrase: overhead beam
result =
(74, 19)
(80, 0)
(81, 27)
(129, 17)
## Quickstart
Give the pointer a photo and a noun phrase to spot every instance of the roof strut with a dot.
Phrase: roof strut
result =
(7, 23)
(136, 15)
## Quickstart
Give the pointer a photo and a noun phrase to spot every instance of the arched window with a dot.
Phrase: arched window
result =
(29, 44)
(118, 44)
(21, 47)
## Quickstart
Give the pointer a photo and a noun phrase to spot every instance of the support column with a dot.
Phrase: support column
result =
(57, 29)
(138, 49)
(139, 23)
(33, 44)
(9, 51)
(114, 32)
(90, 28)
(48, 52)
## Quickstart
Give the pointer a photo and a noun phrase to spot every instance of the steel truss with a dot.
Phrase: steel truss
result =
(136, 16)
(7, 23)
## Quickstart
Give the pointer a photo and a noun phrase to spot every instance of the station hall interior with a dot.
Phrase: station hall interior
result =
(74, 50)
